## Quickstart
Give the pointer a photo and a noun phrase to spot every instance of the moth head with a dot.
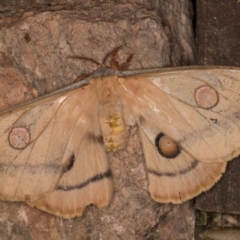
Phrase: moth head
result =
(166, 146)
(113, 62)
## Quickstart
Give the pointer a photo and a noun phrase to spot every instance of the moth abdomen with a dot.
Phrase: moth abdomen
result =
(114, 130)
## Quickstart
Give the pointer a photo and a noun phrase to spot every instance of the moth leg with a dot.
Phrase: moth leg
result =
(81, 77)
(84, 75)
(114, 63)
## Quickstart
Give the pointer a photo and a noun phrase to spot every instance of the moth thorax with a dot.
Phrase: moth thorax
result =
(114, 131)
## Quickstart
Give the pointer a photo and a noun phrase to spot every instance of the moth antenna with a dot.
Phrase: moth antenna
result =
(112, 53)
(86, 58)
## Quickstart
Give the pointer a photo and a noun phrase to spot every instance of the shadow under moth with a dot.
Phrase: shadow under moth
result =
(53, 149)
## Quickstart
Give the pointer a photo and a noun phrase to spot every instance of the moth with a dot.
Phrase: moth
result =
(54, 149)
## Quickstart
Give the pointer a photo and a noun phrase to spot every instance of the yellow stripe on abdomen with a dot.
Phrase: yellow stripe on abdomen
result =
(115, 132)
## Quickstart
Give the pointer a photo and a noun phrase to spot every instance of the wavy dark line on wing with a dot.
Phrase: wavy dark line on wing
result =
(173, 174)
(93, 179)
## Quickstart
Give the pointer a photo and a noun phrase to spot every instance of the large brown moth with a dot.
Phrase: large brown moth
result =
(53, 149)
